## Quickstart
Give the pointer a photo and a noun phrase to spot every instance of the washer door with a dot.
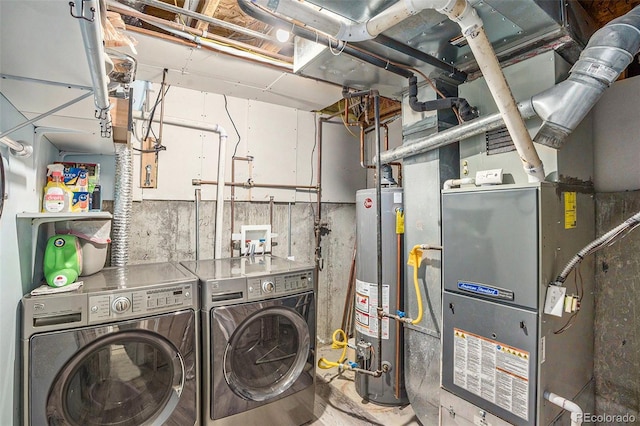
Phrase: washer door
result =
(266, 353)
(125, 378)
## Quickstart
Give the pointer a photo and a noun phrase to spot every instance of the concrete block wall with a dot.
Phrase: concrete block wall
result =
(617, 314)
(165, 231)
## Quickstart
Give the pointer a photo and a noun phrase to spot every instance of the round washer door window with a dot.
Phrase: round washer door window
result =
(266, 353)
(129, 378)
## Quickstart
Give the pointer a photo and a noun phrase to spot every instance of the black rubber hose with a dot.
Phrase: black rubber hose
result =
(466, 111)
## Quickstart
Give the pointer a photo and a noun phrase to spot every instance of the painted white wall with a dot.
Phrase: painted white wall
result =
(24, 180)
(282, 141)
(616, 134)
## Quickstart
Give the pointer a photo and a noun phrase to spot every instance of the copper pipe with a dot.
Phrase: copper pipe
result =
(398, 308)
(201, 33)
(349, 302)
(318, 220)
(250, 185)
(346, 111)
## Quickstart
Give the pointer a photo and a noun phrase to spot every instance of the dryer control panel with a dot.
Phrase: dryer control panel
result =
(133, 303)
(278, 285)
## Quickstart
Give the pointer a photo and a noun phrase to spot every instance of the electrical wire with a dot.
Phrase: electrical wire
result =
(346, 107)
(235, 150)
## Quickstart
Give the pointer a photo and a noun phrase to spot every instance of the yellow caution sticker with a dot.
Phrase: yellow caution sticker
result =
(570, 210)
(399, 221)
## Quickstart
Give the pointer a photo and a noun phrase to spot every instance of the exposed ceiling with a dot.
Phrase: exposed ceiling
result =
(513, 26)
(227, 52)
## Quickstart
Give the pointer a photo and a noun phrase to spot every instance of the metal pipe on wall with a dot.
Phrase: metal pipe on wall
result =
(120, 8)
(454, 134)
(376, 107)
(233, 194)
(93, 45)
(251, 184)
(318, 224)
(222, 149)
(197, 206)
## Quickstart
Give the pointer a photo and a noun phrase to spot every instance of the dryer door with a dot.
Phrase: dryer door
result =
(130, 377)
(261, 352)
(266, 353)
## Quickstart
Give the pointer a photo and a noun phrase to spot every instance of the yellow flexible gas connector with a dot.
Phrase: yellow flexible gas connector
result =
(415, 259)
(336, 344)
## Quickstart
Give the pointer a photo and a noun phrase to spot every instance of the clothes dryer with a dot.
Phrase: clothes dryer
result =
(122, 350)
(258, 329)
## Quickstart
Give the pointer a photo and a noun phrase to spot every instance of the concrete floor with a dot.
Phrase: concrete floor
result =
(338, 403)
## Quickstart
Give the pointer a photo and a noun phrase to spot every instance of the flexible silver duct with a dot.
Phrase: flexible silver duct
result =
(607, 54)
(122, 205)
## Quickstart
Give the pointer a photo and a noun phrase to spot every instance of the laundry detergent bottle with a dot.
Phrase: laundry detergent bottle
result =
(57, 197)
(62, 260)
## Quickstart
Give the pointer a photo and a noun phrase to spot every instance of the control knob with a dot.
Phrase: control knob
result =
(121, 304)
(268, 286)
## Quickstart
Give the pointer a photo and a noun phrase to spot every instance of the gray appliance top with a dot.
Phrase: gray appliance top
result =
(237, 267)
(113, 294)
(134, 276)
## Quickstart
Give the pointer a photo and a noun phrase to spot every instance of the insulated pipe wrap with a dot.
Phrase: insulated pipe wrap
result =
(122, 205)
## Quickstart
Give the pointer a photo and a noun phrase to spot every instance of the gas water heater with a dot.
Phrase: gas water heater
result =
(389, 388)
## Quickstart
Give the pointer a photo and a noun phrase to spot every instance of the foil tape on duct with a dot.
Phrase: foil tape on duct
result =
(122, 205)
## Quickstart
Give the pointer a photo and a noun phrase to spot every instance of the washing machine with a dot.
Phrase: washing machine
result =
(121, 350)
(259, 330)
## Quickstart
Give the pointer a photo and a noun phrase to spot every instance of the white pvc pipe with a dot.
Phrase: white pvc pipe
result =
(450, 183)
(222, 150)
(461, 12)
(575, 410)
(499, 88)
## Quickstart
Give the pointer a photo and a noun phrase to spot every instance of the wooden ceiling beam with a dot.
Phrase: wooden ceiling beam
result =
(209, 8)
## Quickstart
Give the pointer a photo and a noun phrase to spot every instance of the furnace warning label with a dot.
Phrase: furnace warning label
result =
(570, 211)
(493, 371)
(367, 306)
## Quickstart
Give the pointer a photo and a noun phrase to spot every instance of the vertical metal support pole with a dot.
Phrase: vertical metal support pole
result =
(197, 194)
(376, 108)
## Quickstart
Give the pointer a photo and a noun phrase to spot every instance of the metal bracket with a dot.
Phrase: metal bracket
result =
(81, 15)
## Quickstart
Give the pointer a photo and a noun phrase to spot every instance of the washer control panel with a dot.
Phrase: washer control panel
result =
(133, 303)
(278, 285)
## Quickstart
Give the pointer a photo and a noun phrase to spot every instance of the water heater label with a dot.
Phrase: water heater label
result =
(495, 372)
(499, 293)
(367, 309)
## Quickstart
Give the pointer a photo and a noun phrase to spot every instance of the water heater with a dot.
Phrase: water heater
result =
(389, 388)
